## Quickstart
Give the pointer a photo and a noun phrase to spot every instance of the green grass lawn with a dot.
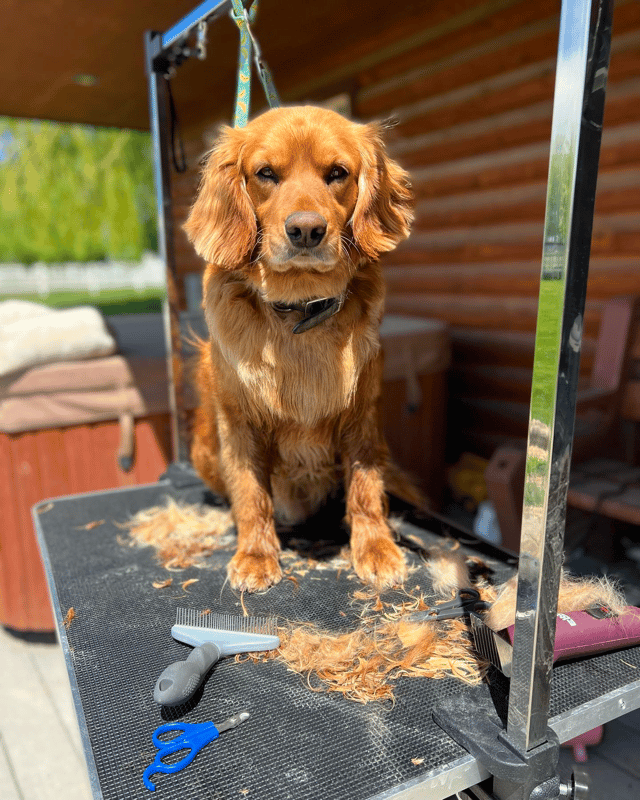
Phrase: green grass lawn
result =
(110, 302)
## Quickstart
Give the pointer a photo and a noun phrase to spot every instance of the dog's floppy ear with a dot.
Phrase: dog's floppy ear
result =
(222, 224)
(384, 209)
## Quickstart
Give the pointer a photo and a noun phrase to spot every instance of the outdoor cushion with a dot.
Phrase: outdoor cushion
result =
(32, 336)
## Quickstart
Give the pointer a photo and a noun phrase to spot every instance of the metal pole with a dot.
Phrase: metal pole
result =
(159, 112)
(581, 78)
(162, 53)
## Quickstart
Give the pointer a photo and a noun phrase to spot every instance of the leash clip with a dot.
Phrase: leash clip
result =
(201, 40)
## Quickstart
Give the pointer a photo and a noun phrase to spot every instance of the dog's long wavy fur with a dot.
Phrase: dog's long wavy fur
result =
(284, 418)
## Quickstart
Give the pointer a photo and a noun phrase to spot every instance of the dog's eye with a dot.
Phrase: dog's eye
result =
(267, 174)
(337, 174)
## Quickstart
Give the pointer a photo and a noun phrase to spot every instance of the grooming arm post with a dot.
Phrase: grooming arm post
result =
(522, 756)
(157, 69)
(163, 52)
(575, 146)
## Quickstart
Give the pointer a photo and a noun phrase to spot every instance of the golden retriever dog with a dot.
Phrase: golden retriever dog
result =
(291, 216)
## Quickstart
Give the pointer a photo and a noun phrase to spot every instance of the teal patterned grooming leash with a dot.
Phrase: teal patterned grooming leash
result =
(244, 18)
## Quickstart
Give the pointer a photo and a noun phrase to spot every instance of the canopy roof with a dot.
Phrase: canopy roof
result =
(53, 50)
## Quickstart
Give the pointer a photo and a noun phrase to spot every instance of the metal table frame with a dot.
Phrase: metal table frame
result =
(97, 695)
(581, 77)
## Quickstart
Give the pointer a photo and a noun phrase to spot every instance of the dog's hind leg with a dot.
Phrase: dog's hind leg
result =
(205, 448)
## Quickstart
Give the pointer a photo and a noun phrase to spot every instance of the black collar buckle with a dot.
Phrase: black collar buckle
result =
(315, 311)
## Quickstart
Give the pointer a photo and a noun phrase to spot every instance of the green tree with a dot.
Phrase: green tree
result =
(74, 192)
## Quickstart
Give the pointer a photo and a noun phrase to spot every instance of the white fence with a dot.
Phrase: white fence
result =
(92, 277)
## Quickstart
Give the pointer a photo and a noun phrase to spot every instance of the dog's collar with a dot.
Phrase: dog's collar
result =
(315, 311)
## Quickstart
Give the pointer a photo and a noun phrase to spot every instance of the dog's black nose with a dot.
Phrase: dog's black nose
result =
(305, 228)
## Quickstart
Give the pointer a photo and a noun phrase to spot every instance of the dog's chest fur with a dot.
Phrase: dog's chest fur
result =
(299, 378)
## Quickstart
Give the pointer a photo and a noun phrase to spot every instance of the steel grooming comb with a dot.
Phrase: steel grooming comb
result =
(213, 636)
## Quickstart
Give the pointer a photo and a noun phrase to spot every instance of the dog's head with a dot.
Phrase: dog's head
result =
(299, 190)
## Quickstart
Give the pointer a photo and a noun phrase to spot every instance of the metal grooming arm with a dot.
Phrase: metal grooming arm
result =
(163, 53)
(581, 76)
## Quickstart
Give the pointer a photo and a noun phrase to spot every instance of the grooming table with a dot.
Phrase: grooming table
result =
(296, 743)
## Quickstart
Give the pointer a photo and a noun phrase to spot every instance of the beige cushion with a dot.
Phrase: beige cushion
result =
(45, 336)
(16, 310)
(80, 393)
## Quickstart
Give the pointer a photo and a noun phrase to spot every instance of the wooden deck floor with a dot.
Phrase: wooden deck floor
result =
(41, 755)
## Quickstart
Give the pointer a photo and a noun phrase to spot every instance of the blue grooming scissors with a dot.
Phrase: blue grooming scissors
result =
(192, 737)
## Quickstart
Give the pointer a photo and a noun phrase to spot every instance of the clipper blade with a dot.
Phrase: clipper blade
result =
(490, 645)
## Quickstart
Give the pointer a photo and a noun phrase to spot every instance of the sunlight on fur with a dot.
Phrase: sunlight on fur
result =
(447, 568)
(364, 666)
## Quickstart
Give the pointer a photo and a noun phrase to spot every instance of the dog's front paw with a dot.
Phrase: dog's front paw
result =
(253, 572)
(379, 562)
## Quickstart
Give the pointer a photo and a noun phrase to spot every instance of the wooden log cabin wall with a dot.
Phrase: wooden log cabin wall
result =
(470, 87)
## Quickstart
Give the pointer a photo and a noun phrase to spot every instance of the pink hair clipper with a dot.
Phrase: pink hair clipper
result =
(578, 633)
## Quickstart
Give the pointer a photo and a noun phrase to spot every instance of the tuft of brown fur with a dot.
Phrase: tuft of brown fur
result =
(447, 567)
(183, 535)
(284, 419)
(575, 594)
(364, 664)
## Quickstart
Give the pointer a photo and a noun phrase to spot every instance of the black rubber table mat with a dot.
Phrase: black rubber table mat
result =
(297, 743)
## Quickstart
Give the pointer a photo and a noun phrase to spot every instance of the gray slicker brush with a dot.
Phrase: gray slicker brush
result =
(213, 636)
